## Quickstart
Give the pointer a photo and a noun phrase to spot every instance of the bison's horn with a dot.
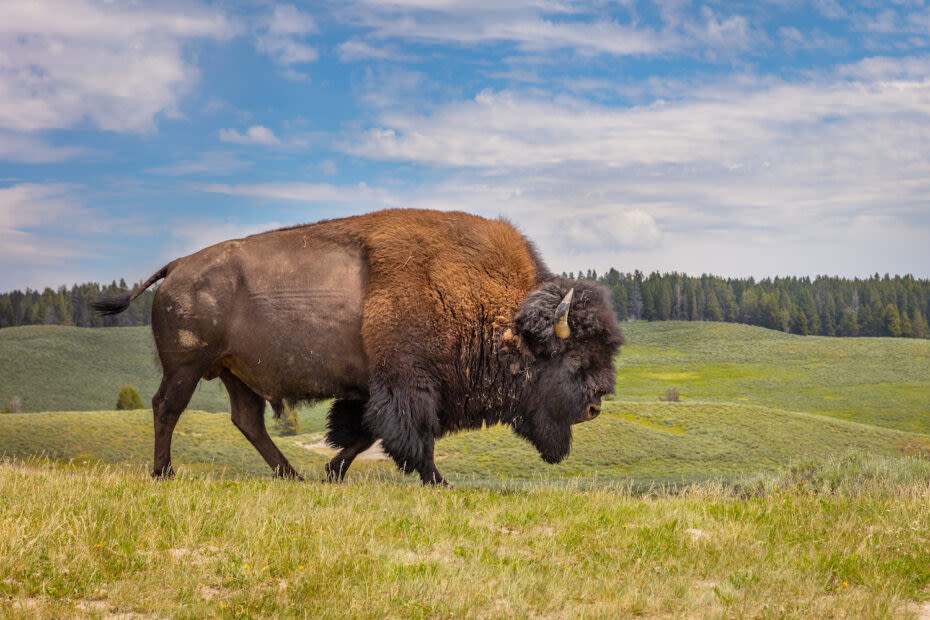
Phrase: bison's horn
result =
(561, 316)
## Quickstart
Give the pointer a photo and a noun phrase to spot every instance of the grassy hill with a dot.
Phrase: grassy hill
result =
(80, 369)
(846, 539)
(880, 381)
(809, 495)
(752, 401)
(642, 442)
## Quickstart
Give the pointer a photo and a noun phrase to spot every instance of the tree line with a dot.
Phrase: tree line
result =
(71, 306)
(829, 306)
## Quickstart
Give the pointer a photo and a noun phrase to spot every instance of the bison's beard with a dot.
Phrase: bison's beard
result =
(552, 439)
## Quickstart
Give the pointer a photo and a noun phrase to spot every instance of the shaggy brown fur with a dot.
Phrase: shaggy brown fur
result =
(417, 323)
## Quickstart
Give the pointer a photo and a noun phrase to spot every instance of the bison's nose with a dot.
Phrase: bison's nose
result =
(593, 412)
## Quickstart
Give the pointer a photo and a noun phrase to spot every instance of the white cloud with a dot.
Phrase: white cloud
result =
(719, 125)
(211, 163)
(355, 49)
(830, 9)
(302, 192)
(192, 234)
(117, 65)
(30, 205)
(33, 220)
(534, 34)
(28, 149)
(281, 36)
(253, 135)
(288, 20)
(540, 26)
(741, 163)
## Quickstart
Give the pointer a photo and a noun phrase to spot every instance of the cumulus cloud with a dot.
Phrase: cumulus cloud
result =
(738, 163)
(253, 135)
(117, 65)
(282, 38)
(611, 227)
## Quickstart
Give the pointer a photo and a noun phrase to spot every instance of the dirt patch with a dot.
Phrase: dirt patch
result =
(209, 593)
(437, 554)
(923, 611)
(696, 534)
(319, 445)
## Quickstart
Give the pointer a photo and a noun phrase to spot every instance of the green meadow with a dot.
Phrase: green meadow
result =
(879, 381)
(791, 480)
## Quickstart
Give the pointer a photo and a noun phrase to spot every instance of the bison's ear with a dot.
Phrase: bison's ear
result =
(536, 322)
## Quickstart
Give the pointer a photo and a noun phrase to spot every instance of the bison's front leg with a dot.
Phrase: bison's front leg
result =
(406, 421)
(346, 431)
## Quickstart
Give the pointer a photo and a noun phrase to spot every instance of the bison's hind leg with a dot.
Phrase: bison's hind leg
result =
(346, 431)
(248, 414)
(177, 387)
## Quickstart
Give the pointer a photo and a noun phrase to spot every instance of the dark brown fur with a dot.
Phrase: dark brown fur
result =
(418, 323)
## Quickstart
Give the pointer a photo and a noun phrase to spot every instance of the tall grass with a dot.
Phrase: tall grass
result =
(851, 541)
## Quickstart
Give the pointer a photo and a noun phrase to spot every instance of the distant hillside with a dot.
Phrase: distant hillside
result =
(644, 442)
(74, 369)
(880, 381)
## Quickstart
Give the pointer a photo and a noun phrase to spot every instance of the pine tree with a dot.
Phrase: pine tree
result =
(799, 323)
(848, 324)
(664, 305)
(619, 301)
(907, 329)
(918, 324)
(636, 301)
(749, 307)
(892, 321)
(712, 311)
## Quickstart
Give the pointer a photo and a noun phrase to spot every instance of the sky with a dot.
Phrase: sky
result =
(758, 138)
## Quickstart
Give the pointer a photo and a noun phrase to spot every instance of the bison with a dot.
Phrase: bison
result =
(417, 323)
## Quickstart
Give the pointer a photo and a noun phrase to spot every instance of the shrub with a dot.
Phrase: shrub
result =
(287, 423)
(671, 396)
(129, 399)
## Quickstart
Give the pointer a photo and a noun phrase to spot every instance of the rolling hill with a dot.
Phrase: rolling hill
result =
(753, 400)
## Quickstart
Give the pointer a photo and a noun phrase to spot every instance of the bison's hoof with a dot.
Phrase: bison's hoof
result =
(163, 474)
(289, 475)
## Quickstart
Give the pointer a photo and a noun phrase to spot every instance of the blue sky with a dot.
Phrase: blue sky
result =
(736, 138)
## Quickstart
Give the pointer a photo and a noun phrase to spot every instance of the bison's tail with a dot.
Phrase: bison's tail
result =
(117, 303)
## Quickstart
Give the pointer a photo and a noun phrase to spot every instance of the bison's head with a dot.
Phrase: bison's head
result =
(570, 336)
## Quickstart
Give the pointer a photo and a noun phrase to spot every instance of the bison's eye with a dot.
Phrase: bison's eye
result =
(578, 362)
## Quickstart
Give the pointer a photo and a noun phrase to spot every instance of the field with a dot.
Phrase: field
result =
(844, 539)
(879, 381)
(790, 481)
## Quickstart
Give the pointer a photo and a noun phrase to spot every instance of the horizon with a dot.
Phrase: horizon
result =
(576, 274)
(737, 139)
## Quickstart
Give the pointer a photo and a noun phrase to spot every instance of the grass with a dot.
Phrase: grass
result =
(843, 538)
(879, 381)
(646, 442)
(79, 369)
(792, 480)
